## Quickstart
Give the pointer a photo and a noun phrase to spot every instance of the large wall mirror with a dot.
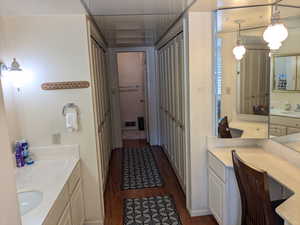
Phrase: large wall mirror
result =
(245, 84)
(284, 125)
(286, 73)
(253, 78)
(260, 93)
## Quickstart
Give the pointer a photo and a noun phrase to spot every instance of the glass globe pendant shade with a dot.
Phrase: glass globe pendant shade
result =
(274, 45)
(239, 51)
(275, 34)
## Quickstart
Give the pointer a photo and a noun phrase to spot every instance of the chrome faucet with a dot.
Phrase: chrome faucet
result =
(287, 107)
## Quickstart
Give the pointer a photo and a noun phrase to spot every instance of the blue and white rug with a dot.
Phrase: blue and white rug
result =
(140, 169)
(157, 210)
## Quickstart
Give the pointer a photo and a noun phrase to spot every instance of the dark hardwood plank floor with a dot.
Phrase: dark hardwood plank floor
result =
(114, 196)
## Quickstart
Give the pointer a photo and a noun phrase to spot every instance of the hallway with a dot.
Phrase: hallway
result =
(114, 196)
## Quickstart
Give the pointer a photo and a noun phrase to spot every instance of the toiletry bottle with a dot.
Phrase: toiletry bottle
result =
(19, 155)
(26, 153)
(24, 145)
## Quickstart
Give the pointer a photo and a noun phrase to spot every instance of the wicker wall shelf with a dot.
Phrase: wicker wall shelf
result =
(65, 85)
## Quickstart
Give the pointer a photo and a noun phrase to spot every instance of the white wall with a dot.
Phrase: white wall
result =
(53, 48)
(200, 62)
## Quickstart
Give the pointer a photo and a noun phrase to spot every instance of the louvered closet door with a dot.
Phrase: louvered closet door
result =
(168, 98)
(171, 146)
(97, 105)
(179, 156)
(105, 109)
(161, 93)
(102, 106)
(172, 104)
(182, 134)
(98, 80)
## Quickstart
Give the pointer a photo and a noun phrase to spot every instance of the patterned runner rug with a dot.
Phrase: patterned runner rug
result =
(157, 210)
(140, 169)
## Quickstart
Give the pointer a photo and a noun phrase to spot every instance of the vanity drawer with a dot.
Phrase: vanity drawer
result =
(57, 209)
(217, 166)
(285, 121)
(74, 178)
(276, 130)
(291, 130)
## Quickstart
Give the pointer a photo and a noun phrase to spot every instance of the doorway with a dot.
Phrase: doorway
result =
(132, 89)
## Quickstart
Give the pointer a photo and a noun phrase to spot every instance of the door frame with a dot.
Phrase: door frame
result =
(151, 97)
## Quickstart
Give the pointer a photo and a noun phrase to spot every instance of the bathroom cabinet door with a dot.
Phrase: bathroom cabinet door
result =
(77, 208)
(216, 196)
(66, 217)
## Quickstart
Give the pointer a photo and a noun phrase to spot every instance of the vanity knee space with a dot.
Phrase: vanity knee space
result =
(224, 196)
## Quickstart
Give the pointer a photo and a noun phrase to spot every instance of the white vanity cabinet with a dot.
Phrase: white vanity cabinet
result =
(76, 202)
(68, 209)
(224, 197)
(284, 125)
(66, 217)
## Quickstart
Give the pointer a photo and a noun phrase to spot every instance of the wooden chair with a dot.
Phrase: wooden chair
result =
(223, 128)
(257, 208)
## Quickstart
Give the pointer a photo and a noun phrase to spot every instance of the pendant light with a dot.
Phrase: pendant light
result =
(239, 50)
(276, 32)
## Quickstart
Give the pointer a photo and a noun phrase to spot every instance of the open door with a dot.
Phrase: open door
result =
(132, 80)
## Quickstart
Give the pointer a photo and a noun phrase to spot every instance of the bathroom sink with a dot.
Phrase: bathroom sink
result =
(28, 200)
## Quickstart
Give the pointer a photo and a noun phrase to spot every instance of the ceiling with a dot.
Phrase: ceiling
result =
(256, 16)
(143, 22)
(135, 22)
(40, 7)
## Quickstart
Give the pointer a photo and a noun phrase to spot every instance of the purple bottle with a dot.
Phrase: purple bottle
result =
(20, 162)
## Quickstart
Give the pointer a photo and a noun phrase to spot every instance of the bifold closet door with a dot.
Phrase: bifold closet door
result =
(101, 106)
(172, 104)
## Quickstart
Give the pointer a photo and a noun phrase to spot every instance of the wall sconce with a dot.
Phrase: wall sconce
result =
(14, 74)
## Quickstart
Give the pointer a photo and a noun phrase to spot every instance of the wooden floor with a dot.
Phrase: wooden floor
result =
(114, 196)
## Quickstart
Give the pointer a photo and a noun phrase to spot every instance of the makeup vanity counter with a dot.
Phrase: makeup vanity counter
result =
(221, 176)
(251, 129)
(55, 173)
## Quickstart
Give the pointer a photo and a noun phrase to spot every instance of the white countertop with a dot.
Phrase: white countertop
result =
(279, 169)
(279, 112)
(251, 129)
(48, 174)
(294, 145)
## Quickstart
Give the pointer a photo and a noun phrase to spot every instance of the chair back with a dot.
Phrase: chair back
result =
(254, 192)
(223, 128)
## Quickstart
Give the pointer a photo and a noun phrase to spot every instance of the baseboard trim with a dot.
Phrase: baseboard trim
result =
(200, 212)
(97, 222)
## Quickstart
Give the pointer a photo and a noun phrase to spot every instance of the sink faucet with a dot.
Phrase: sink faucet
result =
(287, 107)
